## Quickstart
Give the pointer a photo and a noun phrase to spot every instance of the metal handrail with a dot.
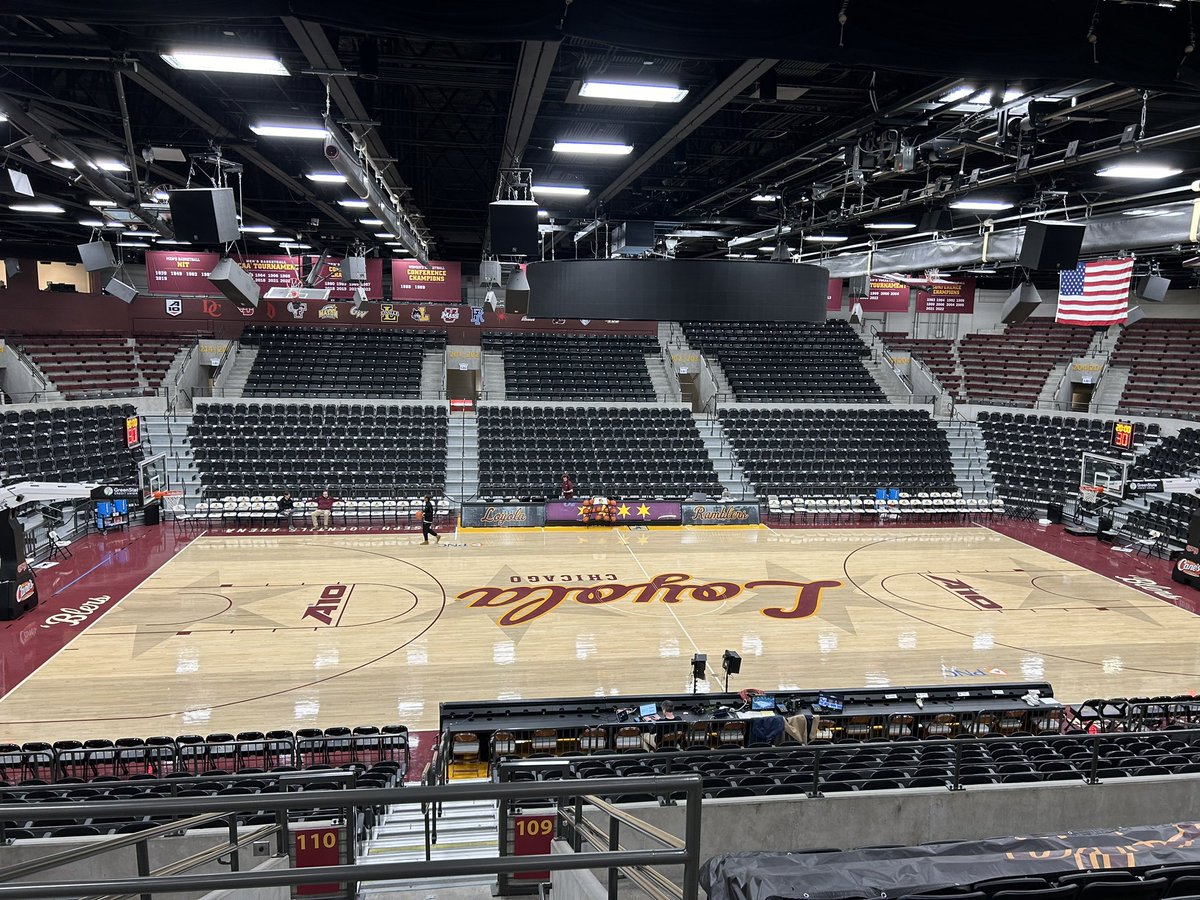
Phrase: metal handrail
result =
(218, 807)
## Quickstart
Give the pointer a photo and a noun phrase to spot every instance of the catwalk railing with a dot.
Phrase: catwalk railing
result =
(569, 798)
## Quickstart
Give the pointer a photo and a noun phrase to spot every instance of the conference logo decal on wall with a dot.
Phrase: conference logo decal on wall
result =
(476, 315)
(524, 603)
(359, 312)
(328, 311)
(297, 310)
(450, 314)
(420, 314)
(388, 314)
(173, 306)
(211, 308)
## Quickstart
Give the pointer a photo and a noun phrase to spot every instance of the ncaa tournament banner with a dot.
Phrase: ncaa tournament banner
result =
(886, 296)
(632, 512)
(502, 515)
(721, 514)
(947, 297)
(439, 282)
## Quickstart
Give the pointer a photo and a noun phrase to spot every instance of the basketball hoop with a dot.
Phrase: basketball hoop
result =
(171, 500)
(1091, 488)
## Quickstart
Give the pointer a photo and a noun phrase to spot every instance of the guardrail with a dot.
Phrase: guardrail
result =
(571, 797)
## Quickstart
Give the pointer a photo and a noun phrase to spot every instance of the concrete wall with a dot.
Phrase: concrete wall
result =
(859, 819)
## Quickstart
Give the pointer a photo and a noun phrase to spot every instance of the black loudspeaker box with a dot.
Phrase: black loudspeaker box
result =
(936, 220)
(204, 215)
(1194, 531)
(1135, 315)
(1152, 288)
(514, 228)
(1020, 304)
(1054, 512)
(1051, 245)
(516, 303)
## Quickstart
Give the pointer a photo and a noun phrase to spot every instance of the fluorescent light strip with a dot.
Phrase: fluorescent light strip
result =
(256, 229)
(1138, 170)
(221, 62)
(981, 271)
(36, 207)
(983, 205)
(638, 93)
(890, 226)
(374, 223)
(764, 198)
(593, 149)
(384, 234)
(560, 190)
(102, 203)
(353, 204)
(306, 132)
(277, 238)
(326, 177)
(826, 238)
(137, 244)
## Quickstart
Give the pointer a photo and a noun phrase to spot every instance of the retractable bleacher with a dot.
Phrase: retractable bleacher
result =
(610, 451)
(83, 365)
(69, 443)
(1010, 368)
(1161, 357)
(789, 362)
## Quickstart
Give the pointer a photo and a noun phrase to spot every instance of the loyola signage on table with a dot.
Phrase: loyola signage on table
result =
(186, 272)
(560, 512)
(502, 515)
(439, 282)
(720, 514)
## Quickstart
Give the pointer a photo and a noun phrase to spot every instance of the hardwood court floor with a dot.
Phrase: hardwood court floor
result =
(293, 630)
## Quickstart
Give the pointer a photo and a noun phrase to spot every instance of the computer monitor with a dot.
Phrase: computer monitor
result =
(762, 701)
(830, 702)
(648, 709)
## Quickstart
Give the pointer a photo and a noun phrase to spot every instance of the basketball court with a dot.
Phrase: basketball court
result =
(289, 630)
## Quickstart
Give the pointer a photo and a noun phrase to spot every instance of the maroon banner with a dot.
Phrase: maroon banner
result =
(532, 836)
(947, 297)
(184, 272)
(886, 296)
(645, 512)
(833, 298)
(440, 282)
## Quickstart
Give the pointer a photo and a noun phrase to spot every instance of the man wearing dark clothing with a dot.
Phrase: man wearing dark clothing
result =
(568, 487)
(427, 522)
(286, 505)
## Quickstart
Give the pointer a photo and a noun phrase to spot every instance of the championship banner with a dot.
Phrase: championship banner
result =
(833, 297)
(947, 297)
(439, 282)
(886, 296)
(502, 515)
(632, 512)
(896, 871)
(181, 272)
(721, 514)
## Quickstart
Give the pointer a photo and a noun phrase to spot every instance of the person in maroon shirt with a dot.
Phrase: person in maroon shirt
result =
(568, 487)
(324, 508)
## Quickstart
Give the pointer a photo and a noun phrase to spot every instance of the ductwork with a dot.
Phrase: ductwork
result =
(363, 181)
(1170, 223)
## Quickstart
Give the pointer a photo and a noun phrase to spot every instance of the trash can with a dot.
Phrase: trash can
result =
(151, 514)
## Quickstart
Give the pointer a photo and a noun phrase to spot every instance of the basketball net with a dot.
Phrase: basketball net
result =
(171, 500)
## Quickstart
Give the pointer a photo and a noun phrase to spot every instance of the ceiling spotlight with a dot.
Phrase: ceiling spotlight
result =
(326, 177)
(982, 205)
(222, 62)
(1138, 170)
(890, 226)
(36, 207)
(764, 198)
(304, 132)
(560, 190)
(637, 93)
(593, 149)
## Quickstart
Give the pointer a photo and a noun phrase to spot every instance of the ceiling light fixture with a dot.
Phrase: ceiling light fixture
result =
(982, 270)
(101, 203)
(637, 93)
(139, 244)
(354, 204)
(826, 238)
(384, 234)
(256, 229)
(982, 205)
(36, 207)
(890, 226)
(305, 132)
(543, 214)
(1138, 170)
(62, 164)
(959, 93)
(161, 241)
(111, 165)
(197, 61)
(277, 238)
(593, 149)
(560, 190)
(372, 222)
(326, 177)
(764, 198)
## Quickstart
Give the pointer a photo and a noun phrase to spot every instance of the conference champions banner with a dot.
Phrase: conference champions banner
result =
(721, 514)
(503, 515)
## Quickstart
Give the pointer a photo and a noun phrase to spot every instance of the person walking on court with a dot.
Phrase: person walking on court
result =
(324, 510)
(568, 487)
(427, 522)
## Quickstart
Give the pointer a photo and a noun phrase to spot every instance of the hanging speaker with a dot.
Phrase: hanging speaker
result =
(12, 268)
(354, 268)
(1152, 288)
(1020, 304)
(1135, 314)
(97, 255)
(514, 228)
(15, 184)
(1051, 245)
(936, 220)
(204, 215)
(489, 271)
(233, 281)
(120, 290)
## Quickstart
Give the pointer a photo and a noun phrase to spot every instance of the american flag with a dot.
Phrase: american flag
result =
(1094, 293)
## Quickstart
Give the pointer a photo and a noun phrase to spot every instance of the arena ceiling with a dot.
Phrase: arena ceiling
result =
(900, 110)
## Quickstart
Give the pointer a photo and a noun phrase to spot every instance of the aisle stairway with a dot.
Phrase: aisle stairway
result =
(462, 457)
(720, 451)
(969, 458)
(239, 371)
(494, 385)
(169, 435)
(433, 374)
(664, 391)
(465, 829)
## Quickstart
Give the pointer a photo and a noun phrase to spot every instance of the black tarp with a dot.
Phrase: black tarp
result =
(1138, 43)
(892, 872)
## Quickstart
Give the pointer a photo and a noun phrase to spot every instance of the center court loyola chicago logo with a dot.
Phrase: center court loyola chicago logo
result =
(525, 602)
